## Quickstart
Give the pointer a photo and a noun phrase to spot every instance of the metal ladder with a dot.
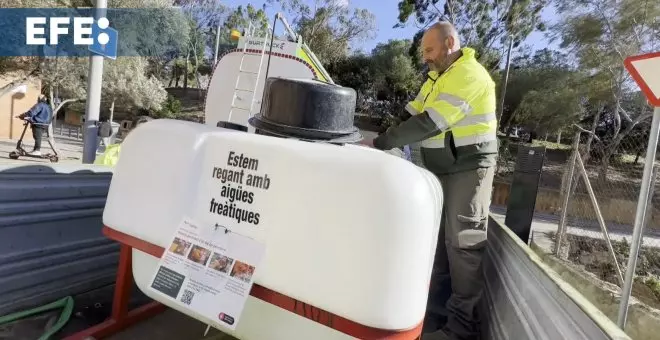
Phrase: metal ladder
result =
(250, 33)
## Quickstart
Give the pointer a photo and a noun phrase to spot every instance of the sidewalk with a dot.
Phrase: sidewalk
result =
(70, 151)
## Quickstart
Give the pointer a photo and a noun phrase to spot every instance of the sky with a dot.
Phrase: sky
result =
(386, 14)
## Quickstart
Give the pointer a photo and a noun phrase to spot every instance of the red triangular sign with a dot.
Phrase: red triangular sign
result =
(645, 70)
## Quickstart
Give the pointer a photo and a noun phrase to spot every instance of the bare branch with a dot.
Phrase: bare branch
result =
(587, 131)
(625, 113)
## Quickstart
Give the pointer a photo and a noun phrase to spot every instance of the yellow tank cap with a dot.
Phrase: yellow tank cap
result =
(235, 34)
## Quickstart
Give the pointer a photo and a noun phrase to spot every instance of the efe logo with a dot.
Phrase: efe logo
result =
(83, 32)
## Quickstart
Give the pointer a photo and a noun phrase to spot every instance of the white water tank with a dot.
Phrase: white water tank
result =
(347, 229)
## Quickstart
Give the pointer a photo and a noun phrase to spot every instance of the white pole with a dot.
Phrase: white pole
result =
(640, 217)
(93, 104)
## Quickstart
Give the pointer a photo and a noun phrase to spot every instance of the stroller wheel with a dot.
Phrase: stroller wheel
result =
(13, 155)
(54, 159)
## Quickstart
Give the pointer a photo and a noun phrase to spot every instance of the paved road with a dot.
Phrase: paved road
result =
(544, 224)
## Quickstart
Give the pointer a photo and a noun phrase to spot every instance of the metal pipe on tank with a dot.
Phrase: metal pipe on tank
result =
(304, 47)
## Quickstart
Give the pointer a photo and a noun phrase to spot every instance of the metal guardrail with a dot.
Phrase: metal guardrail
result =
(51, 244)
(525, 299)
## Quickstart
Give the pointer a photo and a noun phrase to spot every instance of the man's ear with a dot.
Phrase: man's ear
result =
(450, 43)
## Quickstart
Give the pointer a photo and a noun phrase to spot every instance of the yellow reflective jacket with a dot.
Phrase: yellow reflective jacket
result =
(110, 156)
(453, 117)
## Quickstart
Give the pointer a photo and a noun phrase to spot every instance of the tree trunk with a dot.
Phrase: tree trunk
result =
(51, 130)
(112, 109)
(590, 138)
(559, 137)
(196, 72)
(176, 76)
(637, 155)
(199, 85)
(172, 76)
(185, 74)
(51, 99)
(56, 110)
(587, 149)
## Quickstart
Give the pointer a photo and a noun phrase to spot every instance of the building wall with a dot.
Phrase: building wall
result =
(12, 105)
(73, 118)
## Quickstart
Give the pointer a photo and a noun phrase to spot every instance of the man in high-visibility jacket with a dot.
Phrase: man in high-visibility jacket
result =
(454, 119)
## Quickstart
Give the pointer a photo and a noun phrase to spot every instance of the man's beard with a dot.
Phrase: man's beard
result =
(436, 65)
(439, 65)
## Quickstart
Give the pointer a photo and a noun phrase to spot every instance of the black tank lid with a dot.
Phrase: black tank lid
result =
(307, 109)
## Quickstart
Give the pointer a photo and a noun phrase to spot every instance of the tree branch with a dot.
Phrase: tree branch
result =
(587, 131)
(625, 113)
(608, 23)
(65, 102)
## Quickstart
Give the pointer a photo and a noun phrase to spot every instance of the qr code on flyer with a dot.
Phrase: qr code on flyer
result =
(187, 297)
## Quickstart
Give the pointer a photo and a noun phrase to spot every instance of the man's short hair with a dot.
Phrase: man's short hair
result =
(445, 28)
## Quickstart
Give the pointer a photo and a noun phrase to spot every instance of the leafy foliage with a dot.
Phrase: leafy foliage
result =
(545, 77)
(601, 34)
(395, 68)
(481, 24)
(126, 83)
(328, 26)
(171, 108)
(242, 17)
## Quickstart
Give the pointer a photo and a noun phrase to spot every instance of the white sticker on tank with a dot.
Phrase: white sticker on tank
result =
(208, 270)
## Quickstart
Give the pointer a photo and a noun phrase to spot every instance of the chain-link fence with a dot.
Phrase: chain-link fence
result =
(600, 214)
(596, 229)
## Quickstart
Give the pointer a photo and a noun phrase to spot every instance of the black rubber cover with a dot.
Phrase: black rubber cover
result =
(232, 126)
(307, 108)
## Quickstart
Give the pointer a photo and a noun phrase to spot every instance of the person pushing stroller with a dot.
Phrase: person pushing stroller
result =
(39, 117)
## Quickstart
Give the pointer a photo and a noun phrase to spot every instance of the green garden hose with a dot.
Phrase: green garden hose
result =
(67, 309)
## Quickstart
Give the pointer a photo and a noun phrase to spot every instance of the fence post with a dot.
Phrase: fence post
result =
(599, 216)
(640, 217)
(566, 189)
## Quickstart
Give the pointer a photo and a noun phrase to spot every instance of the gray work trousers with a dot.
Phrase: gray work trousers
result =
(458, 258)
